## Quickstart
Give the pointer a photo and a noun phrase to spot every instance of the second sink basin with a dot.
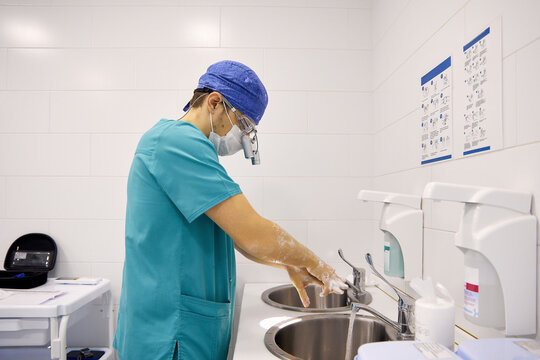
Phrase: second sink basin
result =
(286, 297)
(324, 336)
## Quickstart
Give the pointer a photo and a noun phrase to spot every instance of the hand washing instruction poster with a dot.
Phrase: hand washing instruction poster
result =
(436, 113)
(482, 97)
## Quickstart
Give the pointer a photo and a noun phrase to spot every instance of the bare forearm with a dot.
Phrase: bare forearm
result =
(263, 240)
(275, 245)
(257, 260)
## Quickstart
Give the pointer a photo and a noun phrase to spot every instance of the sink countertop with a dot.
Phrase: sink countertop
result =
(256, 318)
(250, 339)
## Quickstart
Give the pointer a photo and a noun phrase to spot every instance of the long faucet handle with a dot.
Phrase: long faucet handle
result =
(340, 253)
(372, 266)
(359, 275)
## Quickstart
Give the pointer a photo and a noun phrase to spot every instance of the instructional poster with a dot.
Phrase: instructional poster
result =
(436, 119)
(480, 94)
(475, 126)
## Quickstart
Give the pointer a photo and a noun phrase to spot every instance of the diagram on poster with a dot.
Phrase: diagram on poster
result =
(436, 119)
(481, 94)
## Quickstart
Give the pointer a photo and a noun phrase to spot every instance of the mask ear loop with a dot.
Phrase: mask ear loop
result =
(191, 105)
(211, 124)
(227, 113)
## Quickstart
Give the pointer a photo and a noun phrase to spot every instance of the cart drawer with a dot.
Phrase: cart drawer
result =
(24, 331)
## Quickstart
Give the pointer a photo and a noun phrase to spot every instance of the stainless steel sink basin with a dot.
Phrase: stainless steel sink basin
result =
(286, 297)
(324, 336)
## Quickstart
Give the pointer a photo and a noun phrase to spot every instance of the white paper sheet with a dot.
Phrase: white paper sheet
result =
(28, 297)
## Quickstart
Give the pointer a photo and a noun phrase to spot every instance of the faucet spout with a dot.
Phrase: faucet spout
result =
(405, 308)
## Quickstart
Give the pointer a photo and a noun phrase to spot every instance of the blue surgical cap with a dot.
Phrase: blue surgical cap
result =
(239, 85)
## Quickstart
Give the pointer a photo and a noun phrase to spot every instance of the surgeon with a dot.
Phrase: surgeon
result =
(184, 218)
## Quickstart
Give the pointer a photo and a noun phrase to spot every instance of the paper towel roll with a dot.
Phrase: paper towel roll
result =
(434, 321)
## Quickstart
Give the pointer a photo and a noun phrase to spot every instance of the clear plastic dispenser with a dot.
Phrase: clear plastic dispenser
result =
(497, 235)
(401, 222)
(393, 256)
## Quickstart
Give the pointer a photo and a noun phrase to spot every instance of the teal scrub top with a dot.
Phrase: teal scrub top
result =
(179, 274)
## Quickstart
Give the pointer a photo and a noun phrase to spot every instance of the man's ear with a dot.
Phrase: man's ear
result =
(212, 101)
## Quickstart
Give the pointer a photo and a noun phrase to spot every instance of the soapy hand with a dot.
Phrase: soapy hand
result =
(301, 278)
(327, 275)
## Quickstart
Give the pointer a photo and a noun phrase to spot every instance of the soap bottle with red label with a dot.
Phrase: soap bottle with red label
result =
(483, 302)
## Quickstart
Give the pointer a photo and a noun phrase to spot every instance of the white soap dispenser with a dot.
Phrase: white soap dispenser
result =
(401, 223)
(497, 235)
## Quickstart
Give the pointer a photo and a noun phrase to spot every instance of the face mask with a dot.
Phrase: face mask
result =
(228, 144)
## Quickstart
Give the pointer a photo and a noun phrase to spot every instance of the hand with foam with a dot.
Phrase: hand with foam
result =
(301, 278)
(332, 283)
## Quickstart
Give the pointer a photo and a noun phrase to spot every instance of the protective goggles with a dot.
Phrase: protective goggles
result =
(250, 142)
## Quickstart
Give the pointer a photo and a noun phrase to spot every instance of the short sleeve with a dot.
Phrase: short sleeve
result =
(186, 166)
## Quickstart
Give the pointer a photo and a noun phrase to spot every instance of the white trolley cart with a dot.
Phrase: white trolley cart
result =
(41, 331)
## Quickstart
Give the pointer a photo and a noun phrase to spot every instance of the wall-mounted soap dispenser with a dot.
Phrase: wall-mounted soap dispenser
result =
(401, 222)
(497, 235)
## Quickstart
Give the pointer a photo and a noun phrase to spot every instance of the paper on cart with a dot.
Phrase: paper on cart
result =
(28, 297)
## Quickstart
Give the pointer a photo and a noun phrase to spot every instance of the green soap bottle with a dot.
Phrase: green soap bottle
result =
(393, 257)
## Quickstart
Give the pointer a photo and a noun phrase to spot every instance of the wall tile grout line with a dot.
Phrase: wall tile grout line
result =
(385, 32)
(457, 159)
(375, 88)
(522, 48)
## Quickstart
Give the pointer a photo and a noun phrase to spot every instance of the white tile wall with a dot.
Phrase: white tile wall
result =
(305, 155)
(416, 36)
(520, 25)
(253, 189)
(360, 155)
(156, 27)
(527, 78)
(65, 198)
(315, 198)
(24, 26)
(418, 22)
(2, 197)
(113, 111)
(180, 68)
(326, 237)
(70, 69)
(384, 14)
(509, 84)
(25, 2)
(321, 70)
(400, 93)
(397, 147)
(3, 68)
(111, 154)
(407, 182)
(287, 113)
(274, 28)
(71, 269)
(24, 112)
(355, 4)
(443, 262)
(339, 112)
(88, 240)
(359, 29)
(44, 154)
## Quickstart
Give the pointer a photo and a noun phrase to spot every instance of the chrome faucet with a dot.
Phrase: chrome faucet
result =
(359, 278)
(405, 308)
